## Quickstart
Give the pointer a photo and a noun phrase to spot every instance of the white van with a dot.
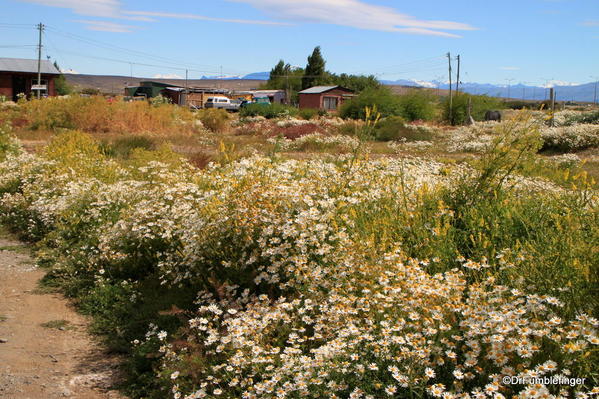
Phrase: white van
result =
(223, 103)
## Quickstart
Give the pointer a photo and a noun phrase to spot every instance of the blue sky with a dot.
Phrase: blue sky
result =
(532, 41)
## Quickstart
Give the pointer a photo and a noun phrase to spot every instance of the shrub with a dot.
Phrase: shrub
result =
(293, 132)
(395, 128)
(479, 106)
(268, 111)
(215, 120)
(386, 103)
(122, 147)
(308, 113)
(418, 105)
(97, 115)
(570, 138)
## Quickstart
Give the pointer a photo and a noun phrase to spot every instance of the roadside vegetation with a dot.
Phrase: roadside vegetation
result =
(390, 255)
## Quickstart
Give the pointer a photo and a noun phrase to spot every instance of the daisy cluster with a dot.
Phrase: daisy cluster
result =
(293, 302)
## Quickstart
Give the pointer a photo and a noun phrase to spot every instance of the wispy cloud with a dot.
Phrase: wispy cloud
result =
(106, 26)
(356, 14)
(509, 68)
(95, 8)
(200, 17)
(591, 23)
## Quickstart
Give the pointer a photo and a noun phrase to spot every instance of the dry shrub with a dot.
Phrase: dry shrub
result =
(215, 120)
(296, 131)
(98, 115)
(200, 159)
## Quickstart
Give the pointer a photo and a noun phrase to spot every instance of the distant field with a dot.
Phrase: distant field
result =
(115, 84)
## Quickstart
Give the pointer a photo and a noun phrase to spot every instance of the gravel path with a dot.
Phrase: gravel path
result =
(45, 351)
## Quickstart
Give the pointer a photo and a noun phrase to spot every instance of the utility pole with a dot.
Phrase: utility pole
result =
(595, 92)
(457, 83)
(40, 27)
(450, 93)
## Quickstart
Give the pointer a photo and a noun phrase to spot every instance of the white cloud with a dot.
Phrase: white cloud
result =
(591, 23)
(553, 83)
(70, 71)
(96, 8)
(200, 17)
(509, 68)
(105, 26)
(167, 76)
(356, 14)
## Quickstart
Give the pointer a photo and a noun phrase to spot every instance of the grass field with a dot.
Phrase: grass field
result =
(290, 258)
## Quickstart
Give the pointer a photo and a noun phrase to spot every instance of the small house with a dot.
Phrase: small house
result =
(326, 98)
(18, 75)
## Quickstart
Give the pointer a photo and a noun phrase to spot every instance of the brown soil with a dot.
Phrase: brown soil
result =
(45, 351)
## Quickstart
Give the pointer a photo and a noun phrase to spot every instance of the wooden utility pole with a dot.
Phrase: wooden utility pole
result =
(457, 82)
(450, 93)
(40, 27)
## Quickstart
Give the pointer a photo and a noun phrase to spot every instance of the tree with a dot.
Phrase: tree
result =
(315, 70)
(278, 75)
(60, 83)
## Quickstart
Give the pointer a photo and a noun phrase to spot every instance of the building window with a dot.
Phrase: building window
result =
(330, 103)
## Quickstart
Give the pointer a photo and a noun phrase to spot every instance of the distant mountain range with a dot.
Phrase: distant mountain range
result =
(564, 91)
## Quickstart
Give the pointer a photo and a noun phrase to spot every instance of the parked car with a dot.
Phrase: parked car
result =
(223, 103)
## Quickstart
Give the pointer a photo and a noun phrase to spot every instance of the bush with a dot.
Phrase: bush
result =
(213, 119)
(308, 113)
(479, 106)
(418, 105)
(269, 111)
(386, 103)
(395, 128)
(97, 115)
(123, 147)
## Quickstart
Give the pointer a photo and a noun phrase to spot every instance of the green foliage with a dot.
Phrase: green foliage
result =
(308, 113)
(479, 105)
(124, 146)
(357, 83)
(63, 88)
(315, 73)
(395, 128)
(584, 118)
(418, 105)
(386, 103)
(269, 111)
(213, 119)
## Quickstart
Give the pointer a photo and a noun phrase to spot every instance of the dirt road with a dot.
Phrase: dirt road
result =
(45, 352)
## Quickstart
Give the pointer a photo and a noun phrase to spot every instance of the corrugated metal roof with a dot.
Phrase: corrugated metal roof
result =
(318, 89)
(28, 66)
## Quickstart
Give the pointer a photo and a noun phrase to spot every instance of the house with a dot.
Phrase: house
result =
(18, 75)
(326, 98)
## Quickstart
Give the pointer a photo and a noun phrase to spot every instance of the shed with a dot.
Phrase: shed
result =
(19, 75)
(326, 98)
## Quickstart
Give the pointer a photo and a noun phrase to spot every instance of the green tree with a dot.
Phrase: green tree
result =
(387, 104)
(357, 83)
(315, 73)
(62, 86)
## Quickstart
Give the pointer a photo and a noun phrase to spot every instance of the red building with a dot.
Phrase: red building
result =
(19, 75)
(327, 98)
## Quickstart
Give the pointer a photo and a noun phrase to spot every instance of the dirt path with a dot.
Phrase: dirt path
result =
(45, 352)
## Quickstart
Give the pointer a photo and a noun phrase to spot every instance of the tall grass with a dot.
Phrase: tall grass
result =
(98, 115)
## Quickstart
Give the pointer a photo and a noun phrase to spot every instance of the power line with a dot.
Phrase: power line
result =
(130, 52)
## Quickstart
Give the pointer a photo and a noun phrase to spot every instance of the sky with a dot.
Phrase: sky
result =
(504, 42)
